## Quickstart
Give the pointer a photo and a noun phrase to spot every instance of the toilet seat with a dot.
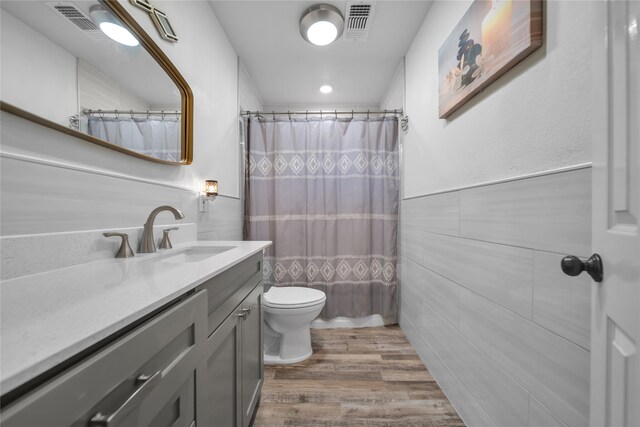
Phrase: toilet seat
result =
(290, 297)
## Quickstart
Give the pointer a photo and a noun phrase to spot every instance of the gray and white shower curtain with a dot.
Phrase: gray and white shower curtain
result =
(155, 137)
(325, 191)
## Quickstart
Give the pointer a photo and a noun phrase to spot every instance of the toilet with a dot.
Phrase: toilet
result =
(288, 313)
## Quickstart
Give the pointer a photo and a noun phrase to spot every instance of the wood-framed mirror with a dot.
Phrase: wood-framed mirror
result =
(60, 70)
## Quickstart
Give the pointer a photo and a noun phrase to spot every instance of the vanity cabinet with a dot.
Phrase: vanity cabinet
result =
(251, 357)
(146, 378)
(197, 362)
(232, 371)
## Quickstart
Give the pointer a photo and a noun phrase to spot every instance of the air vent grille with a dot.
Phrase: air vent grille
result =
(77, 17)
(359, 14)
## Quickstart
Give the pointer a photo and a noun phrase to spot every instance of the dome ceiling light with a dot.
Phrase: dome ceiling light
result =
(110, 25)
(321, 24)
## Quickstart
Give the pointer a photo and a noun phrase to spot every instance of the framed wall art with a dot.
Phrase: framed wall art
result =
(491, 38)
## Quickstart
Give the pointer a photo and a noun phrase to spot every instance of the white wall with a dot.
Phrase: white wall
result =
(52, 182)
(534, 118)
(98, 91)
(248, 96)
(494, 197)
(35, 70)
(393, 97)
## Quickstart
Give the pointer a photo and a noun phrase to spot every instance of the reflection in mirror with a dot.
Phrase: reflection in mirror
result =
(61, 62)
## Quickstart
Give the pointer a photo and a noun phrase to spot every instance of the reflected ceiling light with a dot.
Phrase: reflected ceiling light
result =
(109, 25)
(326, 89)
(321, 24)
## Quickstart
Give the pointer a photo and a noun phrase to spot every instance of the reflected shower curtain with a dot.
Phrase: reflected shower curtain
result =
(155, 137)
(326, 193)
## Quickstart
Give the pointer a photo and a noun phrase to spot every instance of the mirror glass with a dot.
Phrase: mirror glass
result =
(59, 64)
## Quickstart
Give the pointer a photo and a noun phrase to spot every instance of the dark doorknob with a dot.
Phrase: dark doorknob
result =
(572, 266)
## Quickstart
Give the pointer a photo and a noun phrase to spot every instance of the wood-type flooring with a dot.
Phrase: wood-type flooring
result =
(356, 377)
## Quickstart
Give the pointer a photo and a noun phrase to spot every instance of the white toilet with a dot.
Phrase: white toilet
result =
(288, 312)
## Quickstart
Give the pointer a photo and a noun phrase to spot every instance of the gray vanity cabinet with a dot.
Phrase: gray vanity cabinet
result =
(146, 378)
(252, 354)
(197, 362)
(232, 372)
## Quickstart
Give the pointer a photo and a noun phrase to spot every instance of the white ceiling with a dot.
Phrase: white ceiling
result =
(288, 71)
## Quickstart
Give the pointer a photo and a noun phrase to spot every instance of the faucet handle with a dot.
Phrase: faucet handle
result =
(125, 250)
(166, 243)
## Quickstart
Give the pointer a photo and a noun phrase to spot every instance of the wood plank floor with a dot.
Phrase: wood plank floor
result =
(356, 377)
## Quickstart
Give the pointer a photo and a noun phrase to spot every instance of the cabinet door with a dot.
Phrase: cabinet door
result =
(219, 379)
(177, 411)
(252, 353)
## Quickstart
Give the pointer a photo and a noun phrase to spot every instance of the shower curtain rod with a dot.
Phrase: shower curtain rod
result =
(395, 112)
(124, 112)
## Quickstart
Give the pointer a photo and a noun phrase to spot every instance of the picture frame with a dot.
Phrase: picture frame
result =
(489, 40)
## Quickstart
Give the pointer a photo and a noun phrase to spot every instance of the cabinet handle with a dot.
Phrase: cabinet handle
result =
(146, 384)
(244, 313)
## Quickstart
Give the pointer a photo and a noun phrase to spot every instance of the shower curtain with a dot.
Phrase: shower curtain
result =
(325, 191)
(155, 137)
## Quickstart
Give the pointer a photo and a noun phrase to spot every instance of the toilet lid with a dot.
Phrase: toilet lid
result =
(293, 297)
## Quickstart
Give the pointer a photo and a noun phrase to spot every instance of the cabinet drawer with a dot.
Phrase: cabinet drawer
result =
(228, 289)
(165, 350)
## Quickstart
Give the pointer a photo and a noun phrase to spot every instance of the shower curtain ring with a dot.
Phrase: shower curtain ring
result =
(320, 114)
(384, 116)
(336, 113)
(131, 114)
(307, 115)
(162, 112)
(367, 114)
(289, 113)
(177, 115)
(273, 115)
(351, 114)
(117, 115)
(148, 115)
(101, 114)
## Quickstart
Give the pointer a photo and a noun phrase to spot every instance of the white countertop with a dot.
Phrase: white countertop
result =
(48, 317)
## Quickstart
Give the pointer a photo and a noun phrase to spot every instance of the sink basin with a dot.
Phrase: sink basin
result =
(188, 255)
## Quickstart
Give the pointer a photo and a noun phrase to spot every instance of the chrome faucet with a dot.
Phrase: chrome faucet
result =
(147, 245)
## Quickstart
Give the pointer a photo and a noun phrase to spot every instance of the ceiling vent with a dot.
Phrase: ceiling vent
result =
(80, 20)
(358, 21)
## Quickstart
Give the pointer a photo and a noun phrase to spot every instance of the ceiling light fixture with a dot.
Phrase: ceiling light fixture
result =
(325, 89)
(109, 25)
(321, 24)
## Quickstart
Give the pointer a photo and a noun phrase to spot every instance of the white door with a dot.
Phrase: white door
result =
(615, 322)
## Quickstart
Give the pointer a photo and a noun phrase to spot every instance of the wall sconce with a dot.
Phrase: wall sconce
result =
(211, 188)
(209, 194)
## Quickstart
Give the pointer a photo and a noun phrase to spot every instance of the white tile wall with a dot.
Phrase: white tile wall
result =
(551, 213)
(468, 407)
(553, 369)
(503, 274)
(561, 303)
(539, 416)
(58, 221)
(439, 292)
(488, 309)
(438, 214)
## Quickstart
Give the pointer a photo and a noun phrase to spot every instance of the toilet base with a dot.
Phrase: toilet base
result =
(270, 359)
